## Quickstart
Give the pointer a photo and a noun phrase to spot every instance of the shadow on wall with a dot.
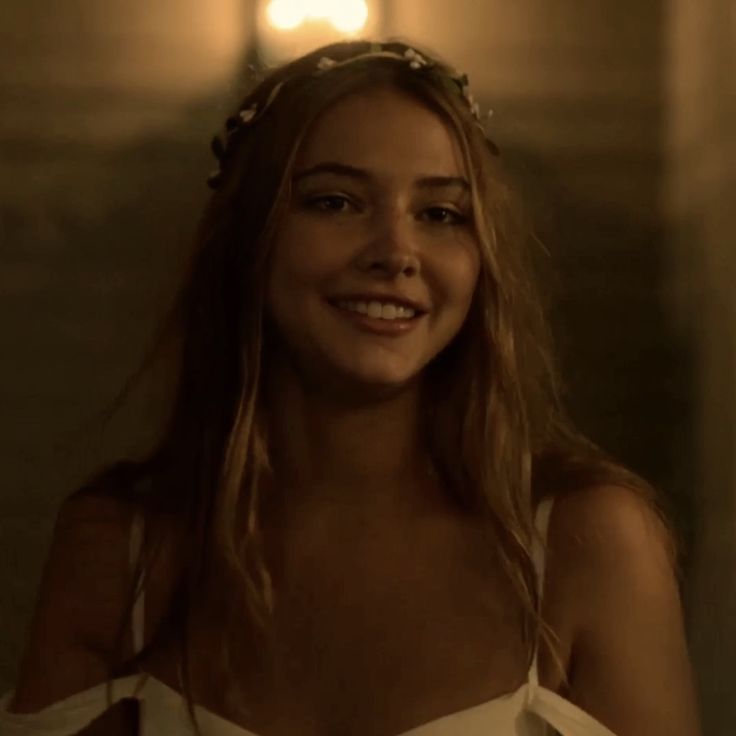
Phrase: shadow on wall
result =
(96, 252)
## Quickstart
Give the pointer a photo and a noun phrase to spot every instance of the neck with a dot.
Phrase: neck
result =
(366, 456)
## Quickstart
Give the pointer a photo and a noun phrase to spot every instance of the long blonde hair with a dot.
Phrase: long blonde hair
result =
(495, 425)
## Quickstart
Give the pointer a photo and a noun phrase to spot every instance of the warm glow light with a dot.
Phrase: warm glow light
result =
(286, 14)
(347, 16)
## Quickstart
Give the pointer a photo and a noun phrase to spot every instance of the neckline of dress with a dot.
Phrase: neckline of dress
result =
(414, 731)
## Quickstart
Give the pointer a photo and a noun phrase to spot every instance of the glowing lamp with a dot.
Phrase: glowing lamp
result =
(289, 28)
(347, 16)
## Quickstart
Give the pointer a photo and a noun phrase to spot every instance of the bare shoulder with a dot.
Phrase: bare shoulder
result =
(630, 665)
(605, 526)
(79, 603)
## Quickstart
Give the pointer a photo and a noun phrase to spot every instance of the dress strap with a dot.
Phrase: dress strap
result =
(136, 541)
(541, 524)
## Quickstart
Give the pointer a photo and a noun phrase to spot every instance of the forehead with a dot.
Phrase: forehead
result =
(385, 131)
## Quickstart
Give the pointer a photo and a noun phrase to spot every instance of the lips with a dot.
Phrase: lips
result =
(386, 327)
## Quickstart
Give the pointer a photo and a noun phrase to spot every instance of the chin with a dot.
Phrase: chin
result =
(381, 379)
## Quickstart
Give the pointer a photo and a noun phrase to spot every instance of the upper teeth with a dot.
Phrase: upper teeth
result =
(381, 310)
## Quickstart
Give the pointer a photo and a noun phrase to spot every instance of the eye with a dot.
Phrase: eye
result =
(329, 203)
(446, 216)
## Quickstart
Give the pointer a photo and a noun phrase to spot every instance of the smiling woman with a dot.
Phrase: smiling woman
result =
(373, 514)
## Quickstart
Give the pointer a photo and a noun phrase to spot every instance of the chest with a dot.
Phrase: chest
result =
(392, 632)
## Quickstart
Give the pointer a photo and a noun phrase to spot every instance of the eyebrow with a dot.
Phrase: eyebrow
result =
(333, 167)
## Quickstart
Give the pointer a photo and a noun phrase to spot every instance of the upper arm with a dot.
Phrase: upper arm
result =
(631, 668)
(79, 604)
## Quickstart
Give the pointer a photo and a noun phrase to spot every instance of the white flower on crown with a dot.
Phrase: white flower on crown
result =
(416, 60)
(326, 63)
(247, 115)
(474, 106)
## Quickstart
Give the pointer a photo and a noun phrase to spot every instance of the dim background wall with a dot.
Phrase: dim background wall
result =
(107, 113)
(108, 109)
(698, 199)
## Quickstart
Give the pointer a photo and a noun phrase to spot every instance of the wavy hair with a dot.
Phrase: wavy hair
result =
(496, 427)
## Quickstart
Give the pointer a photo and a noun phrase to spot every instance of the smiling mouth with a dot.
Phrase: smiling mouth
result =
(376, 325)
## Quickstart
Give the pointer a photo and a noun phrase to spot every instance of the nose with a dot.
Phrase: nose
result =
(392, 247)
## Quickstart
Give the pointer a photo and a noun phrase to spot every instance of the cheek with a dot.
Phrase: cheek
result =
(298, 279)
(290, 265)
(305, 252)
(460, 276)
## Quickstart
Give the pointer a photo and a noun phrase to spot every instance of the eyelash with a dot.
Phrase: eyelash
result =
(459, 217)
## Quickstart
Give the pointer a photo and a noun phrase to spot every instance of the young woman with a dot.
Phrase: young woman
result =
(368, 514)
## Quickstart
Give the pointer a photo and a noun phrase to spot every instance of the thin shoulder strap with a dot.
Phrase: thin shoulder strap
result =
(541, 523)
(136, 541)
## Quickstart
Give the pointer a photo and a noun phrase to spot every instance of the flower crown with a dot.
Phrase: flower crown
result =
(247, 116)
